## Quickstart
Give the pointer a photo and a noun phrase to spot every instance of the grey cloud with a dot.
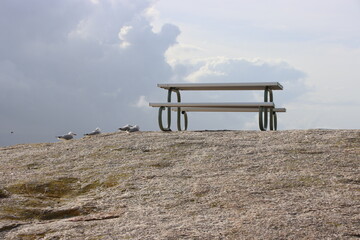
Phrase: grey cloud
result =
(62, 67)
(38, 20)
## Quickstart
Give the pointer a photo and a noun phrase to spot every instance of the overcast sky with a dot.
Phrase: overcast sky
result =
(74, 65)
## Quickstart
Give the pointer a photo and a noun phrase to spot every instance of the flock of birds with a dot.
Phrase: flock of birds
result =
(127, 128)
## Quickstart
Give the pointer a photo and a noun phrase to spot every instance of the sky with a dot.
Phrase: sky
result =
(74, 65)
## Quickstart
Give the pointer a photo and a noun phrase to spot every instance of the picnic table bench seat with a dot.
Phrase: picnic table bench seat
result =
(215, 105)
(224, 109)
(264, 108)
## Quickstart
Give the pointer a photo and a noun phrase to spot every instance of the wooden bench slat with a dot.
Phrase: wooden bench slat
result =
(224, 109)
(223, 86)
(218, 105)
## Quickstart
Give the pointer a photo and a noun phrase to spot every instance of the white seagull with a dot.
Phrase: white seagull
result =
(95, 132)
(68, 136)
(134, 129)
(126, 127)
(130, 128)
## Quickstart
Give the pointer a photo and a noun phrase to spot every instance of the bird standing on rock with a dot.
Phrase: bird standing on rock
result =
(68, 136)
(130, 128)
(134, 129)
(95, 132)
(126, 127)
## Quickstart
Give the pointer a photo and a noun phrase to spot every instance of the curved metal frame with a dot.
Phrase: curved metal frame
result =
(275, 122)
(179, 120)
(179, 112)
(263, 112)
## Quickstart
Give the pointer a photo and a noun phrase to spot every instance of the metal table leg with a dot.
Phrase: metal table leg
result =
(263, 112)
(179, 112)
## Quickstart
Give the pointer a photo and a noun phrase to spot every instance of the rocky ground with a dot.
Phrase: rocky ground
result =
(300, 184)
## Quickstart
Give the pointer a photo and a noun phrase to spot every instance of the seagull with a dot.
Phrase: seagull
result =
(95, 132)
(126, 127)
(68, 136)
(134, 129)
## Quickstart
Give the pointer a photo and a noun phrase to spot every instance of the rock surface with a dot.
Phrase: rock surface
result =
(298, 184)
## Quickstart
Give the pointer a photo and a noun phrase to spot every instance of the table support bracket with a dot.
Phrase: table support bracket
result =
(179, 112)
(263, 112)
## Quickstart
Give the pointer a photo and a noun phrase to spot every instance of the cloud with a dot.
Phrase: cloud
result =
(142, 103)
(72, 65)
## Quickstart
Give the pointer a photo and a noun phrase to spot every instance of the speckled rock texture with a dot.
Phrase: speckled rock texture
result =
(296, 184)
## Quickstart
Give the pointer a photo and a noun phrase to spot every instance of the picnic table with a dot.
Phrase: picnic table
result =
(267, 110)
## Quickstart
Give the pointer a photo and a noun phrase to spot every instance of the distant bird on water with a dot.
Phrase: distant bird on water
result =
(68, 136)
(95, 132)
